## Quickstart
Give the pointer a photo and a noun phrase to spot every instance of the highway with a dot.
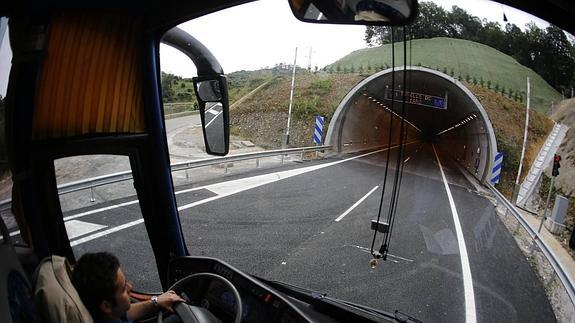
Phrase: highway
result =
(451, 259)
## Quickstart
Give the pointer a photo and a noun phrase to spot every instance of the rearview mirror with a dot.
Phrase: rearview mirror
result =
(214, 112)
(355, 12)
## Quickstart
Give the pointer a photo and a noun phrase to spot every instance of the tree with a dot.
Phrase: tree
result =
(517, 44)
(558, 58)
(377, 35)
(462, 25)
(431, 21)
(546, 51)
(491, 35)
(167, 80)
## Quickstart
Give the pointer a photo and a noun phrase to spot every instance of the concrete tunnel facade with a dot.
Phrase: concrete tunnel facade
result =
(439, 108)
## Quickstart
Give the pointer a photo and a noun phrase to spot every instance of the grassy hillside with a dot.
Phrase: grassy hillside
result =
(463, 59)
(314, 94)
(507, 117)
(240, 83)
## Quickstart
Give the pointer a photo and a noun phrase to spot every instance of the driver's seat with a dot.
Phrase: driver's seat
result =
(57, 300)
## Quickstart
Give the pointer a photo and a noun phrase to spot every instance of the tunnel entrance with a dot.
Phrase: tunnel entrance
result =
(439, 109)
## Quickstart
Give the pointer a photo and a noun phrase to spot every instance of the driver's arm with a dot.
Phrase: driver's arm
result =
(142, 309)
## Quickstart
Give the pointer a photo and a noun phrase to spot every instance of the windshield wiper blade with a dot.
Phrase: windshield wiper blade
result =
(311, 297)
(397, 315)
(402, 317)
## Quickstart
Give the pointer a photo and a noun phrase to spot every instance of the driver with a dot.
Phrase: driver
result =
(104, 290)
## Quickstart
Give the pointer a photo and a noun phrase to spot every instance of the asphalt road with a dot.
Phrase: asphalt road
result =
(281, 224)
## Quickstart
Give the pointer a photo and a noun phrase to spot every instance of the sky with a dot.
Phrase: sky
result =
(265, 33)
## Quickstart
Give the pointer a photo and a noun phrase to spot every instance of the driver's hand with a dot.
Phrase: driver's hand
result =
(168, 299)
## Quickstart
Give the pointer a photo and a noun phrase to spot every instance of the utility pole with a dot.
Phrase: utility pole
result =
(286, 136)
(516, 191)
(309, 59)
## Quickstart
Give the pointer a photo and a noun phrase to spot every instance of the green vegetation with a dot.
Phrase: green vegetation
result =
(462, 57)
(547, 51)
(507, 116)
(178, 94)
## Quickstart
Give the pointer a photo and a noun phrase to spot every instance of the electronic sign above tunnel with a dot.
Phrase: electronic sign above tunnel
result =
(422, 99)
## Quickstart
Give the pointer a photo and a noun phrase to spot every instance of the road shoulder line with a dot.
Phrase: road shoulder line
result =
(470, 314)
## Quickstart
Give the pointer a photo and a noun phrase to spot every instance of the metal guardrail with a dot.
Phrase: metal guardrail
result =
(551, 257)
(90, 183)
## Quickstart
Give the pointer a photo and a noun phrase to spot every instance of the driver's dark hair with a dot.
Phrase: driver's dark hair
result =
(94, 277)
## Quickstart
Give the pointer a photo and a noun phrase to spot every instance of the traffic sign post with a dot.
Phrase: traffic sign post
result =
(496, 172)
(318, 130)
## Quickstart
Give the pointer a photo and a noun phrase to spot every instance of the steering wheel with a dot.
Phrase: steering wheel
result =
(197, 314)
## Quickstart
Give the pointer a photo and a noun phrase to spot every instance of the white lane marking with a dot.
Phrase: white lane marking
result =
(214, 118)
(213, 106)
(239, 185)
(470, 315)
(213, 112)
(214, 188)
(111, 207)
(76, 228)
(406, 160)
(105, 232)
(356, 204)
(226, 189)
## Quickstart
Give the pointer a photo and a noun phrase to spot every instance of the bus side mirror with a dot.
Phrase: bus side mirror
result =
(212, 94)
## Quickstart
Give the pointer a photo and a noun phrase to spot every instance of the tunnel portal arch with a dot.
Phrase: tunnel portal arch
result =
(462, 130)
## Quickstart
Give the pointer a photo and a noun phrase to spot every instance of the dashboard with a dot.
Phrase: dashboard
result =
(260, 302)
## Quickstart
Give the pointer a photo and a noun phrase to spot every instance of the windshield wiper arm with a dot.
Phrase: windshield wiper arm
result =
(397, 315)
(312, 297)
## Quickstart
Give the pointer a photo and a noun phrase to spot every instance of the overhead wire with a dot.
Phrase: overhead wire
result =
(402, 139)
(394, 201)
(392, 34)
(392, 211)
